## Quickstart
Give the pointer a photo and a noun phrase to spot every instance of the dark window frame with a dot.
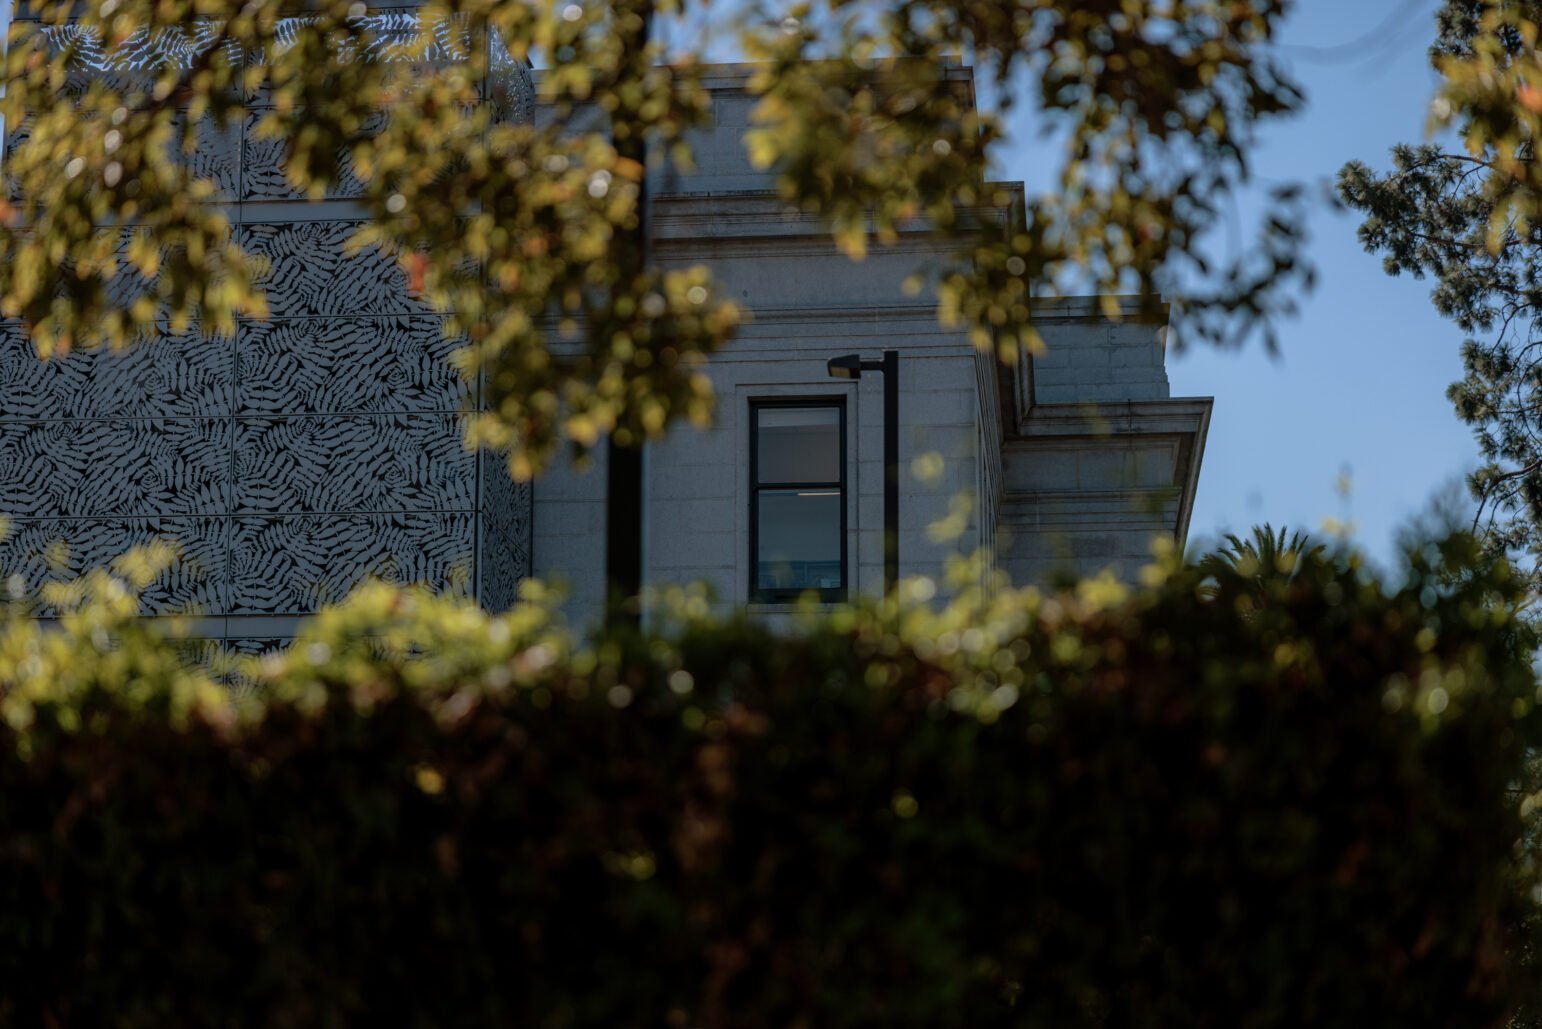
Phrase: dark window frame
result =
(774, 595)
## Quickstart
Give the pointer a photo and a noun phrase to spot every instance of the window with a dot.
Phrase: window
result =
(797, 499)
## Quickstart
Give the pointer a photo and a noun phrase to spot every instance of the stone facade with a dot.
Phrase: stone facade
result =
(1069, 463)
(1097, 458)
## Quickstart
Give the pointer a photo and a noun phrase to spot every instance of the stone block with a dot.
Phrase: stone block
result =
(869, 469)
(1154, 466)
(1142, 356)
(1099, 358)
(1034, 470)
(1094, 393)
(674, 481)
(584, 519)
(1058, 356)
(694, 553)
(1142, 375)
(563, 481)
(920, 375)
(703, 516)
(732, 111)
(1136, 334)
(1103, 469)
(1055, 393)
(1074, 335)
(686, 445)
(931, 410)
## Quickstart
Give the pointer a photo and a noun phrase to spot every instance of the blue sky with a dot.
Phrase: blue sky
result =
(1360, 381)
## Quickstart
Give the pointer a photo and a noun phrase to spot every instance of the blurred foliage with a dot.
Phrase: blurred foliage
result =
(1295, 804)
(1466, 210)
(532, 237)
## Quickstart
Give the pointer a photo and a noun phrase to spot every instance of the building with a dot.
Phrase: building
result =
(322, 446)
(1071, 461)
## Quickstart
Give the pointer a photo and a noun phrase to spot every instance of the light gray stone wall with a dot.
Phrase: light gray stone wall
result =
(697, 485)
(568, 534)
(1070, 463)
(1082, 503)
(698, 482)
(288, 462)
(809, 303)
(1090, 359)
(988, 466)
(1098, 460)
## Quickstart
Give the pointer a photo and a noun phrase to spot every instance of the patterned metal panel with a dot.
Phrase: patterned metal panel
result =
(505, 541)
(15, 136)
(136, 58)
(312, 451)
(218, 157)
(143, 53)
(511, 87)
(110, 467)
(194, 584)
(293, 564)
(254, 647)
(167, 377)
(127, 285)
(311, 272)
(400, 462)
(336, 365)
(262, 165)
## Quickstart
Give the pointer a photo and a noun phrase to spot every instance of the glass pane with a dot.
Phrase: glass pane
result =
(799, 539)
(800, 444)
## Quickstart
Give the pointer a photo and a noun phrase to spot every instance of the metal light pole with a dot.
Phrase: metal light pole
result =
(851, 366)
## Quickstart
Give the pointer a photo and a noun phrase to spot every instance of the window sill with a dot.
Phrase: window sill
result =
(788, 607)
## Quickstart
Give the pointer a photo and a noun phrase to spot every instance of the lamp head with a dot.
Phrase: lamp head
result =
(848, 366)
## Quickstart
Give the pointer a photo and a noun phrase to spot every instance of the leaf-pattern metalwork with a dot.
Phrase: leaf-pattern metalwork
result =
(262, 165)
(298, 455)
(97, 467)
(400, 462)
(312, 273)
(341, 365)
(170, 376)
(294, 564)
(58, 550)
(505, 544)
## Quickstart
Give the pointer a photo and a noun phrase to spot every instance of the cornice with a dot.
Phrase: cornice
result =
(1183, 421)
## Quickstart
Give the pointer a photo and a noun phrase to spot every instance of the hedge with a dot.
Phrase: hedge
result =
(1265, 802)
